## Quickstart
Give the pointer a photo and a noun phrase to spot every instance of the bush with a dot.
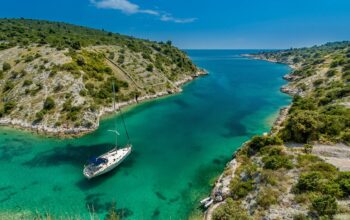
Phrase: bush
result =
(27, 82)
(309, 181)
(300, 217)
(325, 205)
(344, 183)
(331, 72)
(8, 86)
(240, 189)
(258, 142)
(40, 115)
(302, 126)
(266, 198)
(6, 66)
(149, 68)
(80, 61)
(276, 162)
(9, 106)
(307, 148)
(230, 210)
(318, 82)
(49, 103)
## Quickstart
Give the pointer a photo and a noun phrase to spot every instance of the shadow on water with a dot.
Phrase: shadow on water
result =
(74, 155)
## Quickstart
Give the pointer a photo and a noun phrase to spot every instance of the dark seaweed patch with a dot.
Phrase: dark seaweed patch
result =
(94, 204)
(235, 128)
(8, 197)
(174, 200)
(160, 195)
(5, 188)
(121, 213)
(124, 212)
(181, 103)
(57, 189)
(156, 213)
(13, 149)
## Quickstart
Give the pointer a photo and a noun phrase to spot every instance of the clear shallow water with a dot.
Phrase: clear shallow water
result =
(181, 143)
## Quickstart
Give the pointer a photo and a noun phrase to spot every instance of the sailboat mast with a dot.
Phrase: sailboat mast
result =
(116, 135)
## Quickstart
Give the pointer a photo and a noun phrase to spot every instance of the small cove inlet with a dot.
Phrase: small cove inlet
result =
(182, 143)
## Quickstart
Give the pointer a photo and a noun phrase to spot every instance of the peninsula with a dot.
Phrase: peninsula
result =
(57, 78)
(301, 169)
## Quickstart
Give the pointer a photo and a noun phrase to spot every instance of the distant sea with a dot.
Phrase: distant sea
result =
(181, 144)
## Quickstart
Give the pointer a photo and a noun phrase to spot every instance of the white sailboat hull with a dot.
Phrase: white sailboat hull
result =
(114, 158)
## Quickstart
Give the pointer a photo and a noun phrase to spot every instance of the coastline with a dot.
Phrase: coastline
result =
(62, 132)
(220, 190)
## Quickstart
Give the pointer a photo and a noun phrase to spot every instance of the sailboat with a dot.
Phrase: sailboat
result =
(108, 161)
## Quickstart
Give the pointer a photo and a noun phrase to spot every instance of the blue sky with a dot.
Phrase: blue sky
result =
(221, 24)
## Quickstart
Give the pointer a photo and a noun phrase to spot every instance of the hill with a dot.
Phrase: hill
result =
(301, 170)
(57, 77)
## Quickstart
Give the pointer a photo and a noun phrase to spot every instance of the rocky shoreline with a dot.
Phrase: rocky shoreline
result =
(67, 132)
(220, 190)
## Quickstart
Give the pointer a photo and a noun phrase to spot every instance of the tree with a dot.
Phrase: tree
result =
(9, 106)
(80, 60)
(169, 42)
(325, 205)
(49, 103)
(230, 210)
(302, 126)
(307, 148)
(6, 66)
(76, 45)
(149, 68)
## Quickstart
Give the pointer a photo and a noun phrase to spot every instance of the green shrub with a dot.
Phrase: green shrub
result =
(267, 197)
(230, 210)
(277, 161)
(344, 183)
(40, 115)
(300, 217)
(330, 188)
(326, 168)
(308, 148)
(9, 106)
(81, 61)
(149, 68)
(302, 126)
(240, 189)
(325, 205)
(8, 86)
(258, 142)
(331, 72)
(6, 66)
(27, 82)
(49, 103)
(309, 181)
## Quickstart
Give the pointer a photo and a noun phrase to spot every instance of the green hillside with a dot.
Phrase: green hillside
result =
(300, 170)
(73, 68)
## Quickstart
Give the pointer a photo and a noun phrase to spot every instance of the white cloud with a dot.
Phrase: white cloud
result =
(128, 7)
(167, 17)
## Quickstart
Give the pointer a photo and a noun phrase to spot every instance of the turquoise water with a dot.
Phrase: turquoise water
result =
(181, 143)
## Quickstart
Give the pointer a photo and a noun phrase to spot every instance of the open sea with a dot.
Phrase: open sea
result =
(181, 144)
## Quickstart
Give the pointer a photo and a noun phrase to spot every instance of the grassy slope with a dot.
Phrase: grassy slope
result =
(275, 181)
(75, 68)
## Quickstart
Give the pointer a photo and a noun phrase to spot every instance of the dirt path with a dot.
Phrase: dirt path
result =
(337, 155)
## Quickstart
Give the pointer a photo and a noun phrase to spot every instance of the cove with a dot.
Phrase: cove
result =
(181, 144)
